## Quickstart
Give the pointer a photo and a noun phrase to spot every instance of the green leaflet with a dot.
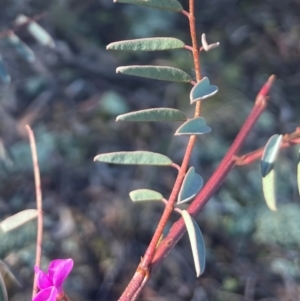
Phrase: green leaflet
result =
(197, 242)
(268, 171)
(191, 185)
(142, 195)
(21, 47)
(195, 126)
(157, 114)
(202, 90)
(171, 5)
(156, 72)
(18, 219)
(134, 158)
(5, 77)
(147, 44)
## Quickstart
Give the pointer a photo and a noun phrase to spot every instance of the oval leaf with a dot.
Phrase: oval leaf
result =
(157, 114)
(38, 32)
(18, 219)
(156, 72)
(268, 184)
(202, 90)
(142, 195)
(171, 5)
(134, 158)
(270, 154)
(197, 242)
(148, 44)
(21, 47)
(191, 185)
(195, 126)
(5, 77)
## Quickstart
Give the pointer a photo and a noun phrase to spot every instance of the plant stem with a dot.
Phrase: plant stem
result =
(217, 178)
(38, 191)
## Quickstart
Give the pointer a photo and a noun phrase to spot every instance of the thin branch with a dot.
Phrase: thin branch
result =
(38, 191)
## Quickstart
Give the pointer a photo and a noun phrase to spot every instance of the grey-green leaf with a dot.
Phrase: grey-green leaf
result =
(156, 72)
(142, 195)
(270, 154)
(134, 158)
(157, 114)
(18, 219)
(195, 126)
(191, 185)
(268, 170)
(147, 44)
(3, 291)
(5, 77)
(298, 171)
(171, 5)
(202, 90)
(21, 47)
(197, 242)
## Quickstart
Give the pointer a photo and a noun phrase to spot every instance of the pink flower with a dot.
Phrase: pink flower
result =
(50, 284)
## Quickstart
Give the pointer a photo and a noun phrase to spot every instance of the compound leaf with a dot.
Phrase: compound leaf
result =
(268, 170)
(157, 114)
(171, 5)
(197, 242)
(142, 195)
(202, 90)
(195, 126)
(156, 72)
(191, 185)
(18, 219)
(134, 158)
(147, 44)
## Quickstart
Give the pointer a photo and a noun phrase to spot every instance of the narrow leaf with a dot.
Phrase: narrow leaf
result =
(197, 242)
(191, 185)
(38, 32)
(156, 72)
(157, 114)
(268, 171)
(268, 184)
(148, 44)
(3, 291)
(18, 219)
(202, 90)
(142, 195)
(5, 77)
(195, 126)
(21, 47)
(298, 171)
(270, 154)
(171, 5)
(134, 158)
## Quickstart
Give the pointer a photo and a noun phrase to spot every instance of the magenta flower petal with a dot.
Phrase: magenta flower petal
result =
(48, 294)
(59, 270)
(42, 279)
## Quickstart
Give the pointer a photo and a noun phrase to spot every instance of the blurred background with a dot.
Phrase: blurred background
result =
(71, 96)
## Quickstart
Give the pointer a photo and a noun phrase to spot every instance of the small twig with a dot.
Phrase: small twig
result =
(38, 191)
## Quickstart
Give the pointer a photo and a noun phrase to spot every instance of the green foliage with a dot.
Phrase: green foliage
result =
(191, 185)
(197, 242)
(157, 114)
(268, 171)
(171, 5)
(156, 72)
(134, 158)
(142, 195)
(147, 44)
(195, 126)
(202, 90)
